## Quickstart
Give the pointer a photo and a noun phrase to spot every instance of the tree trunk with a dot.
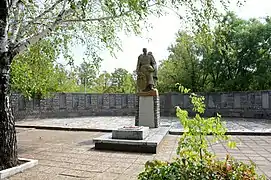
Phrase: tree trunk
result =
(8, 142)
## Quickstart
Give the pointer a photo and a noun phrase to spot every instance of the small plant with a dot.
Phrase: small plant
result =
(195, 160)
(194, 143)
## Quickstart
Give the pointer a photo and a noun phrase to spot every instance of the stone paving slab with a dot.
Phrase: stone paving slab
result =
(71, 155)
(108, 123)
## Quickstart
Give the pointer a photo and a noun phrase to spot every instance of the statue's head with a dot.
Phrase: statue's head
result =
(150, 53)
(145, 51)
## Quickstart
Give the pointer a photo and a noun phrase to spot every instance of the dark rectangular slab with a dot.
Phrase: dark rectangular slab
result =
(147, 145)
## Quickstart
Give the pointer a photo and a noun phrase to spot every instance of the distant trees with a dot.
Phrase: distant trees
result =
(236, 57)
(36, 75)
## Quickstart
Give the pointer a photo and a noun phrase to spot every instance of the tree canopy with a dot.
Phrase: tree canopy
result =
(236, 57)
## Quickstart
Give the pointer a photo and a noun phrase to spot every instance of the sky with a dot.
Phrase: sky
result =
(162, 35)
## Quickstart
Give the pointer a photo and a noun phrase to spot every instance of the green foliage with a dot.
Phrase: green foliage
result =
(33, 72)
(186, 169)
(196, 161)
(234, 57)
(122, 81)
(36, 74)
(96, 24)
(194, 143)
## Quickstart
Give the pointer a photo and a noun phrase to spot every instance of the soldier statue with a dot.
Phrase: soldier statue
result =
(146, 72)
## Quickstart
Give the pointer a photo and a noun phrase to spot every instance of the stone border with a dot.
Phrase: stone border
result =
(171, 132)
(233, 133)
(156, 109)
(14, 170)
(64, 128)
(137, 111)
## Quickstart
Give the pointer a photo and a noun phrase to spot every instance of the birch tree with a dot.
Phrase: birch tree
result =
(94, 23)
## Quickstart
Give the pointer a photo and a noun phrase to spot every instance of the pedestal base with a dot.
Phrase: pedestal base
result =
(148, 109)
(149, 144)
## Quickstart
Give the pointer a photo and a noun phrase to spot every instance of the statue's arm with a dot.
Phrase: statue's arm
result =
(154, 65)
(153, 62)
(138, 64)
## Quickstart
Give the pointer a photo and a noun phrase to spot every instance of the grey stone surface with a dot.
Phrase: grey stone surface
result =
(231, 104)
(149, 115)
(114, 122)
(147, 145)
(79, 160)
(255, 104)
(132, 133)
(29, 163)
(146, 111)
(265, 100)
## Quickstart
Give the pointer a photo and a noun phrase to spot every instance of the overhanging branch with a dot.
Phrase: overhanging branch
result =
(20, 47)
(102, 18)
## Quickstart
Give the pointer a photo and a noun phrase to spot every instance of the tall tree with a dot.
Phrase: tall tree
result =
(103, 83)
(87, 73)
(182, 65)
(122, 81)
(94, 23)
(234, 57)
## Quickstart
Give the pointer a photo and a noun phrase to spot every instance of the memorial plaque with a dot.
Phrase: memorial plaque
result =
(88, 101)
(124, 101)
(56, 102)
(106, 101)
(94, 100)
(131, 100)
(131, 133)
(162, 101)
(244, 100)
(100, 100)
(36, 103)
(118, 99)
(187, 102)
(227, 100)
(21, 103)
(265, 100)
(112, 103)
(214, 100)
(62, 101)
(75, 101)
(82, 101)
(237, 100)
(254, 100)
(69, 101)
(177, 100)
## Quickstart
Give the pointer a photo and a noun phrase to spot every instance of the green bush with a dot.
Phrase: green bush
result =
(195, 160)
(183, 169)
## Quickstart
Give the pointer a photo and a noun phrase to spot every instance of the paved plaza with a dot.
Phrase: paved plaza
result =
(71, 155)
(110, 123)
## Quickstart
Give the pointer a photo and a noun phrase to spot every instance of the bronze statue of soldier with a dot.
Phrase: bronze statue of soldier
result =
(146, 72)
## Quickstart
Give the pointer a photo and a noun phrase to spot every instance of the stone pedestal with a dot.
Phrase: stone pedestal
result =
(148, 109)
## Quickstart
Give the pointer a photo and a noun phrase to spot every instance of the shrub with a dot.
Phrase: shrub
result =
(183, 169)
(195, 160)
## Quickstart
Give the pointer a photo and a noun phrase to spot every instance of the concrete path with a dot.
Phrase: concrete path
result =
(70, 155)
(109, 123)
